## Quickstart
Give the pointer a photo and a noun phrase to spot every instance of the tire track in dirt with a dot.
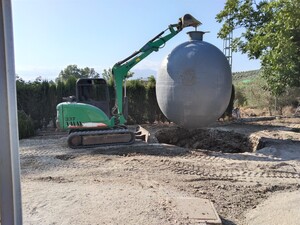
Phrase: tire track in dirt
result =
(220, 168)
(182, 167)
(193, 163)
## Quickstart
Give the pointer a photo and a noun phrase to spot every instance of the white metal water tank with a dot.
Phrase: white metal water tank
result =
(194, 83)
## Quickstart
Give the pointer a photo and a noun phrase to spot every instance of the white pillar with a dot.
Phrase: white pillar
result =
(10, 190)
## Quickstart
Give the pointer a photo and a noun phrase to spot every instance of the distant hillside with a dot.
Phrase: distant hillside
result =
(245, 76)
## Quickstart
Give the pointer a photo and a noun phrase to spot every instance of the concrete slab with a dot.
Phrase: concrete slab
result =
(198, 210)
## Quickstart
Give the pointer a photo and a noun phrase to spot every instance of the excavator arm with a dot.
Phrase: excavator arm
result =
(121, 68)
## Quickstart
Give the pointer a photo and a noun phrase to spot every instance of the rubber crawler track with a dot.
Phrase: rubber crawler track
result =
(101, 132)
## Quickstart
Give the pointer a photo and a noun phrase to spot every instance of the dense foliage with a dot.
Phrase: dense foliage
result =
(271, 33)
(37, 102)
(251, 90)
(75, 72)
(245, 76)
(25, 123)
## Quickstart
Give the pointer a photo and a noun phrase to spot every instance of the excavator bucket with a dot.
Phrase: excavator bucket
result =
(189, 21)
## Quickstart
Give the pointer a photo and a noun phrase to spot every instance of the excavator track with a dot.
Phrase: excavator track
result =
(98, 138)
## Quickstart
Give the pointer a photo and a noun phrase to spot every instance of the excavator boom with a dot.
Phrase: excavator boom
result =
(121, 68)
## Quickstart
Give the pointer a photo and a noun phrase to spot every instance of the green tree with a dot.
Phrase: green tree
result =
(258, 95)
(271, 34)
(89, 72)
(136, 93)
(107, 75)
(52, 102)
(153, 109)
(60, 91)
(240, 98)
(31, 97)
(25, 125)
(44, 106)
(129, 74)
(70, 87)
(74, 71)
(22, 96)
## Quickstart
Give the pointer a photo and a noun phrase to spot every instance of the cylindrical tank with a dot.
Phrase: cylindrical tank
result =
(194, 83)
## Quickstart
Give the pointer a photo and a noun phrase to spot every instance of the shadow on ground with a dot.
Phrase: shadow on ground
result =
(142, 149)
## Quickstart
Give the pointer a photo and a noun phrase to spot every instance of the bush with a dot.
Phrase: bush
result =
(228, 111)
(257, 95)
(240, 98)
(136, 92)
(25, 125)
(153, 109)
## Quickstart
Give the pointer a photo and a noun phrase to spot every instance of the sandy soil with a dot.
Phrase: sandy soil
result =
(138, 184)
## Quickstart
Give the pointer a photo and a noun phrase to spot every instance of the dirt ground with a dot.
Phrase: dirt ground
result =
(242, 166)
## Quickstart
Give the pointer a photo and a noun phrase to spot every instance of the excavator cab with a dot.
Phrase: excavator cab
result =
(93, 91)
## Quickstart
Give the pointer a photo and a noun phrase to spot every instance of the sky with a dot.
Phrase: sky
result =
(49, 35)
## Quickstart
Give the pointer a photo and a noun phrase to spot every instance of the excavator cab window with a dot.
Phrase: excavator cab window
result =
(93, 91)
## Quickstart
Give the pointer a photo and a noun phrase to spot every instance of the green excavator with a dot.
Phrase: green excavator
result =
(88, 117)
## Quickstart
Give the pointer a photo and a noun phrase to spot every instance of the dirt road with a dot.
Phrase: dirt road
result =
(138, 184)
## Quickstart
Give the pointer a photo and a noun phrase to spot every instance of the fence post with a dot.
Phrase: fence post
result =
(10, 190)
